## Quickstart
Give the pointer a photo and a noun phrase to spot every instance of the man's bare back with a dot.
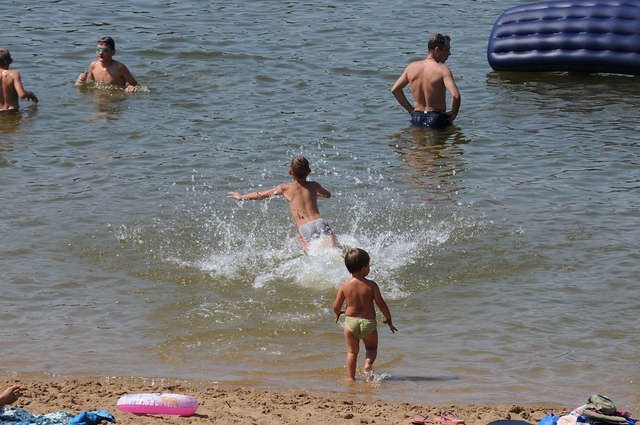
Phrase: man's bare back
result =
(429, 80)
(426, 78)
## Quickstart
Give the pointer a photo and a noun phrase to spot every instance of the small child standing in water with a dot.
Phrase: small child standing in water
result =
(360, 323)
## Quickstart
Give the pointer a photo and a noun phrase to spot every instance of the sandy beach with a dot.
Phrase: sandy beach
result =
(226, 404)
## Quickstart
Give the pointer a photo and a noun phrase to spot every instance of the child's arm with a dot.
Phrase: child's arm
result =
(24, 94)
(384, 309)
(82, 78)
(85, 76)
(337, 304)
(128, 77)
(321, 191)
(255, 196)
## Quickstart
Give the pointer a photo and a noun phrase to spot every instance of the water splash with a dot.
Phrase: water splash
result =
(375, 379)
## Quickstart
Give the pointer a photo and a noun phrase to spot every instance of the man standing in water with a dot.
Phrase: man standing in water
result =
(429, 80)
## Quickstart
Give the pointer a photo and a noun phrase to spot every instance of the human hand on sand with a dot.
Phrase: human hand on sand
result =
(10, 395)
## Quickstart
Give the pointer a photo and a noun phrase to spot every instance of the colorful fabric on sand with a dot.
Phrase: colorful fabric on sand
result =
(599, 410)
(17, 416)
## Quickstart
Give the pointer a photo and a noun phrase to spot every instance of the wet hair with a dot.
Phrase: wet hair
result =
(355, 259)
(438, 40)
(300, 167)
(5, 57)
(108, 41)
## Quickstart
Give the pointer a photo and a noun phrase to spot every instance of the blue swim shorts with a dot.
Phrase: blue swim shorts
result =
(430, 119)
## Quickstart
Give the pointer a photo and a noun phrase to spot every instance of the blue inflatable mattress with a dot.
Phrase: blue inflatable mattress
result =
(587, 36)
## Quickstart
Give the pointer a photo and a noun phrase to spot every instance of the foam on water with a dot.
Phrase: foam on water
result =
(240, 246)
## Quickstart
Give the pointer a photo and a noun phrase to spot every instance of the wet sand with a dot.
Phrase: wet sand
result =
(227, 404)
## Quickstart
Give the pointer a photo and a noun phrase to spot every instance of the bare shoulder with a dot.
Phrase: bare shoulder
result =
(415, 66)
(372, 283)
(444, 69)
(10, 73)
(348, 283)
(282, 188)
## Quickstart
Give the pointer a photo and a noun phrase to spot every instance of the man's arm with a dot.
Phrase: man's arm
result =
(451, 86)
(255, 196)
(398, 92)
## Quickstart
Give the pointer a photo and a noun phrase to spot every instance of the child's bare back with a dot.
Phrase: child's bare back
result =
(359, 293)
(302, 196)
(303, 200)
(11, 88)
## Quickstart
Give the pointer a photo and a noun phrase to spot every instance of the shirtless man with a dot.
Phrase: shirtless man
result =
(360, 322)
(303, 203)
(108, 71)
(429, 80)
(11, 89)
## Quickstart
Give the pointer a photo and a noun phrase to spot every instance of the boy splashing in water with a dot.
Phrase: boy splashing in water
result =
(303, 203)
(360, 323)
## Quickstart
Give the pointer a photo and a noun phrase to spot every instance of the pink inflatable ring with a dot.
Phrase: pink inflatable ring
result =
(158, 404)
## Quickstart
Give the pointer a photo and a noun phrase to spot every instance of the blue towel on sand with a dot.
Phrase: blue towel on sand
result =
(92, 417)
(17, 416)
